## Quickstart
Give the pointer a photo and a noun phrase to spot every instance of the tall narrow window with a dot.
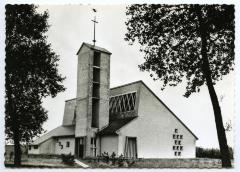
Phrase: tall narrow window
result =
(96, 59)
(96, 75)
(93, 146)
(130, 150)
(95, 113)
(96, 90)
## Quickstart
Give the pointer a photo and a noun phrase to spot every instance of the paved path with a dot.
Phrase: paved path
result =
(81, 163)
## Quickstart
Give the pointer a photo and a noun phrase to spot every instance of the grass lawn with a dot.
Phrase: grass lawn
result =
(39, 162)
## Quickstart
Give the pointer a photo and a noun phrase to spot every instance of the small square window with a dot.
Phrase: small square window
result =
(177, 147)
(179, 153)
(179, 142)
(181, 136)
(176, 142)
(181, 147)
(175, 153)
(177, 136)
(35, 147)
(67, 144)
(173, 147)
(174, 136)
(176, 130)
(61, 146)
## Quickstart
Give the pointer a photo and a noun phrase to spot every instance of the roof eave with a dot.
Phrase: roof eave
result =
(92, 47)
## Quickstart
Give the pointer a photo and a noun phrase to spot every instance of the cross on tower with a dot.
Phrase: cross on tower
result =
(94, 26)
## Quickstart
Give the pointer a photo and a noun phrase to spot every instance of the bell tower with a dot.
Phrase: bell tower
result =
(92, 106)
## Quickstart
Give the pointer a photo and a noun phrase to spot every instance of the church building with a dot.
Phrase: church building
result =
(129, 120)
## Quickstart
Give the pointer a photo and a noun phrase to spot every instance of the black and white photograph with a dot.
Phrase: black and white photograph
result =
(120, 86)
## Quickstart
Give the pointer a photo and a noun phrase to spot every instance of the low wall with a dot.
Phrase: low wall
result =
(178, 163)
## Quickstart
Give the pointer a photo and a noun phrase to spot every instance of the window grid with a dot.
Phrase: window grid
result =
(177, 144)
(122, 103)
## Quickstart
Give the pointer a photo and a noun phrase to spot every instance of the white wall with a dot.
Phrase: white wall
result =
(154, 129)
(65, 150)
(33, 151)
(109, 144)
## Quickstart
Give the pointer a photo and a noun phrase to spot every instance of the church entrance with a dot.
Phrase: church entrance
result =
(131, 147)
(79, 147)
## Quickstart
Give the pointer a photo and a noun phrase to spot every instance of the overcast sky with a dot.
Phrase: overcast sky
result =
(71, 25)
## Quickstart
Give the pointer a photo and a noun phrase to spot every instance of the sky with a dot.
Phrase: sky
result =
(71, 25)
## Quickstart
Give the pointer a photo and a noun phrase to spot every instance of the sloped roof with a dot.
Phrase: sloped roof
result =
(94, 48)
(141, 82)
(114, 126)
(59, 131)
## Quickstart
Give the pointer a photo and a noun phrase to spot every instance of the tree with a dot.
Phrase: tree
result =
(31, 74)
(186, 42)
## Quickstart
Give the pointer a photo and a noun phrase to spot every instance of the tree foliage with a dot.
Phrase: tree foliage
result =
(31, 71)
(169, 36)
(192, 42)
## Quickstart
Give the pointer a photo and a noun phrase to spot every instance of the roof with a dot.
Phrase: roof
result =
(57, 132)
(141, 82)
(115, 125)
(93, 47)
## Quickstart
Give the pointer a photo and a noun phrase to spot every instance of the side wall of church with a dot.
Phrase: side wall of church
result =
(154, 128)
(47, 147)
(62, 147)
(109, 144)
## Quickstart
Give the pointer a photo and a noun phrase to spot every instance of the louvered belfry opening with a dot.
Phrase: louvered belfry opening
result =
(122, 106)
(96, 89)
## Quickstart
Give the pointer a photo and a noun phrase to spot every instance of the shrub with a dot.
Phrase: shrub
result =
(105, 157)
(211, 153)
(68, 159)
(120, 161)
(113, 158)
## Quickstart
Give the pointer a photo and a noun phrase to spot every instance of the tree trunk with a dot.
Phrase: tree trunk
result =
(16, 136)
(17, 146)
(225, 155)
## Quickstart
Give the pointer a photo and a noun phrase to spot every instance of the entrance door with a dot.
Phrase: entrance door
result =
(79, 148)
(131, 147)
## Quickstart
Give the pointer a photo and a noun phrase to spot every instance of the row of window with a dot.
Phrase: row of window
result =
(67, 144)
(59, 143)
(177, 142)
(177, 153)
(178, 148)
(34, 147)
(176, 136)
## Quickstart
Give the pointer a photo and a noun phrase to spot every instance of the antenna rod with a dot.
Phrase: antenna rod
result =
(94, 27)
